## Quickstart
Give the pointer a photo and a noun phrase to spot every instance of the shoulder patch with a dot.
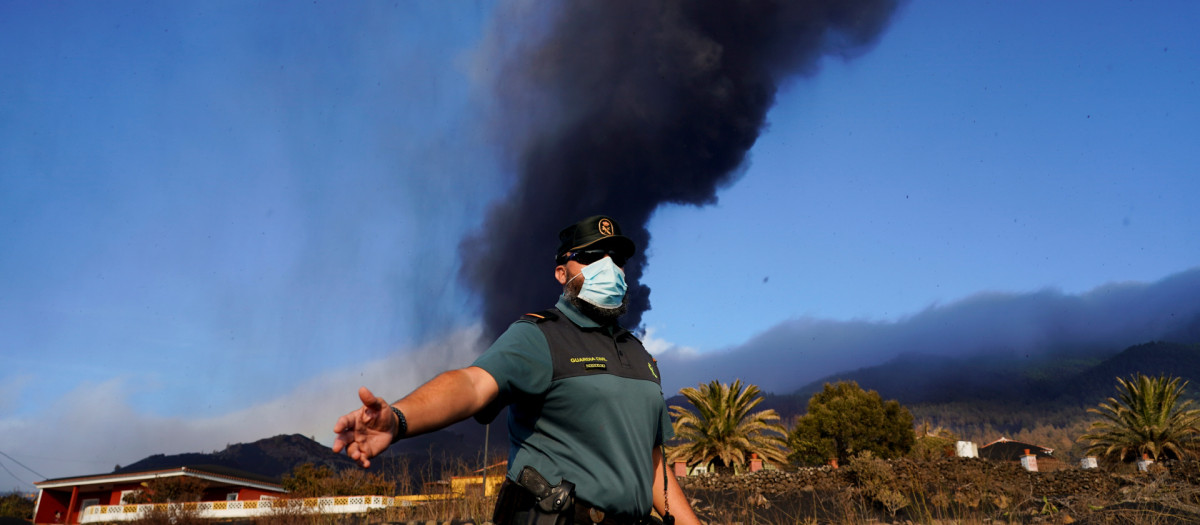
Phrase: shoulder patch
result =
(538, 317)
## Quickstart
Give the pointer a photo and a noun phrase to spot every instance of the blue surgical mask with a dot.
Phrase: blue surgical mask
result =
(603, 284)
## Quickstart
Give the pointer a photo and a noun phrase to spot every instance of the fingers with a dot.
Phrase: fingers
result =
(352, 429)
(371, 415)
(368, 399)
(345, 423)
(353, 442)
(345, 429)
(356, 453)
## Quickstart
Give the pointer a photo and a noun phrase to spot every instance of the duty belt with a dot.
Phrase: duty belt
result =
(531, 500)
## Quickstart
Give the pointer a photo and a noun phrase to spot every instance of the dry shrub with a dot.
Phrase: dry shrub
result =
(309, 481)
(296, 511)
(289, 511)
(951, 490)
(470, 507)
(171, 514)
(876, 480)
(168, 490)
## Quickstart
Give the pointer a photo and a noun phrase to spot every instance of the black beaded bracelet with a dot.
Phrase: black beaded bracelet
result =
(401, 424)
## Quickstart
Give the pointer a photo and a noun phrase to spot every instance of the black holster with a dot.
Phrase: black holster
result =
(532, 500)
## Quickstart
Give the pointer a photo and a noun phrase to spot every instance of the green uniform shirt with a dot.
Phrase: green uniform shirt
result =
(595, 426)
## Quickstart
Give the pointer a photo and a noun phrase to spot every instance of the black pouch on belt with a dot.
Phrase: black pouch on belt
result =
(553, 504)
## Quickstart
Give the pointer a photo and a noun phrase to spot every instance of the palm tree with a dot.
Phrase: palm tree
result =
(723, 430)
(1146, 418)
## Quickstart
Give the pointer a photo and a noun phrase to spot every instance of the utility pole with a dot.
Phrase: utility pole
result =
(487, 430)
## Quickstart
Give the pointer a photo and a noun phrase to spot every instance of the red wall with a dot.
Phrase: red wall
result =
(249, 494)
(52, 501)
(114, 497)
(57, 500)
(244, 493)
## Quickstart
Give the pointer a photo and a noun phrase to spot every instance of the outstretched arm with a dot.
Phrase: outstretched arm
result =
(448, 398)
(680, 508)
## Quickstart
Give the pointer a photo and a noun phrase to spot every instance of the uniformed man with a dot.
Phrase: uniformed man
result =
(587, 417)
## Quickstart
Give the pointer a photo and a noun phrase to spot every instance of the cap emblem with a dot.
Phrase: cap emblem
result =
(606, 227)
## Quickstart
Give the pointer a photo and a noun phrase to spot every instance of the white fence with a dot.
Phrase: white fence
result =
(242, 509)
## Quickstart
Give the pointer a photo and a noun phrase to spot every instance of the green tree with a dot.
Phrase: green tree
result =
(843, 420)
(1146, 417)
(15, 505)
(725, 429)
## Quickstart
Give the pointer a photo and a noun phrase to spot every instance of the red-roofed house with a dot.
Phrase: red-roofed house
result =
(64, 500)
(1005, 449)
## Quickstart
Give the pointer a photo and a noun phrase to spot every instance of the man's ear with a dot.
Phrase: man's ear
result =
(560, 273)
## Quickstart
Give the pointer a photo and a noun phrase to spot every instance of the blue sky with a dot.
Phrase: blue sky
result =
(978, 147)
(217, 216)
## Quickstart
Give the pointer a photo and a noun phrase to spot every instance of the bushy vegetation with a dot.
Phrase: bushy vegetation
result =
(310, 481)
(15, 505)
(948, 490)
(926, 484)
(844, 420)
(183, 514)
(175, 489)
(933, 443)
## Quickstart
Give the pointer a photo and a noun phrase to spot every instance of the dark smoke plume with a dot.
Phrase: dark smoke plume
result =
(616, 107)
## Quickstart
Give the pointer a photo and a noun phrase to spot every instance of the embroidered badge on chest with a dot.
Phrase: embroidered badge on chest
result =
(591, 363)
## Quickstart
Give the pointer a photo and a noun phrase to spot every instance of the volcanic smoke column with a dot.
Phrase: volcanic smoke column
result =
(617, 106)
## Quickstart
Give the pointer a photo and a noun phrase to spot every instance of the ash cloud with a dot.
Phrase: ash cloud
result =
(1102, 321)
(618, 107)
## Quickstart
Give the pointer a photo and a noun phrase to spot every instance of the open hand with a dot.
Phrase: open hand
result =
(366, 432)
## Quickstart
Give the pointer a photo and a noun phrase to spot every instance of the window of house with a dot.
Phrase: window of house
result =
(232, 496)
(88, 503)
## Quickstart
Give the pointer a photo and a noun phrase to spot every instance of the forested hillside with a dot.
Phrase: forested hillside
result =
(1038, 401)
(1041, 401)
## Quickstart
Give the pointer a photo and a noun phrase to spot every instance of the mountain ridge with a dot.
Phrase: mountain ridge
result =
(1016, 378)
(1039, 386)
